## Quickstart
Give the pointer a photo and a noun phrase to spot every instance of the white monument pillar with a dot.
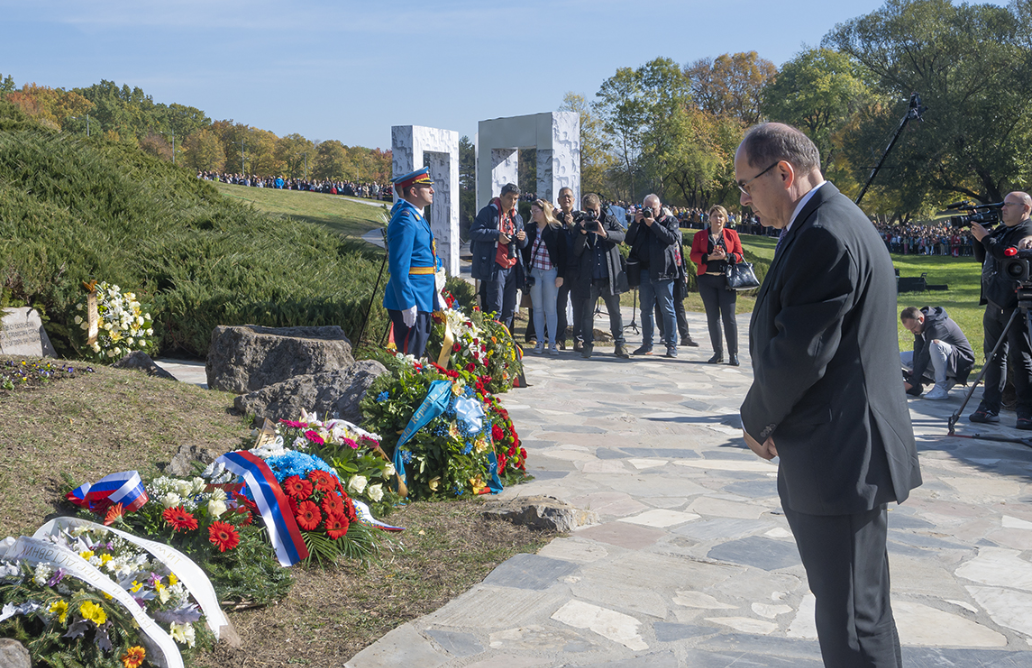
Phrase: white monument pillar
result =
(415, 146)
(555, 135)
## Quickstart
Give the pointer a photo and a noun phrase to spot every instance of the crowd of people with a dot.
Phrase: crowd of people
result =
(936, 239)
(374, 190)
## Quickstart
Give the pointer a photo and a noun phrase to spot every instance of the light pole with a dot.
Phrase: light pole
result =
(75, 118)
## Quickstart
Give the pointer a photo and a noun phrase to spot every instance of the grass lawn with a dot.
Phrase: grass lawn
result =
(344, 215)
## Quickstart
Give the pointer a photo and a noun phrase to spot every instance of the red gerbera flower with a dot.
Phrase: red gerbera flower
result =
(497, 433)
(246, 516)
(180, 519)
(349, 509)
(314, 437)
(308, 515)
(223, 536)
(297, 488)
(113, 513)
(323, 481)
(336, 525)
(333, 504)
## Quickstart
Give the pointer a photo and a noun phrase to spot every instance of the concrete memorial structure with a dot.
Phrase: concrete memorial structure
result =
(22, 333)
(555, 135)
(416, 146)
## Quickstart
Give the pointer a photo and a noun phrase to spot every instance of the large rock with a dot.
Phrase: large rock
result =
(13, 654)
(182, 466)
(334, 393)
(540, 512)
(141, 361)
(246, 358)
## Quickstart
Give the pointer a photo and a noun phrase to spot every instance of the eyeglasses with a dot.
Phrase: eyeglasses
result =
(742, 184)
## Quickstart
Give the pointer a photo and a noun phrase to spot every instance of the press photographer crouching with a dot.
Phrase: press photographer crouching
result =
(999, 296)
(941, 354)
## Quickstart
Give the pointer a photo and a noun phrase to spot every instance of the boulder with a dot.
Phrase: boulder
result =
(13, 654)
(334, 393)
(246, 358)
(141, 361)
(540, 512)
(182, 462)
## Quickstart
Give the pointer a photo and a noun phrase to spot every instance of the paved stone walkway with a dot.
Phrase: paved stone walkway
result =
(693, 563)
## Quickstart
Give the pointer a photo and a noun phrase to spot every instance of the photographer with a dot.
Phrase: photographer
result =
(998, 294)
(600, 272)
(941, 354)
(566, 215)
(654, 239)
(496, 237)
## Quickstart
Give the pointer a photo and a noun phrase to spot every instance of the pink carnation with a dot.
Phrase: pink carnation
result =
(351, 444)
(314, 437)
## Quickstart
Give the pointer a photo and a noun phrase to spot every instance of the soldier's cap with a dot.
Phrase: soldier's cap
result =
(418, 177)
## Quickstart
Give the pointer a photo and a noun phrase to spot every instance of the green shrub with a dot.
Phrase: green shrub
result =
(73, 210)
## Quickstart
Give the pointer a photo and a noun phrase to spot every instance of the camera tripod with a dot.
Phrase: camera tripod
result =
(1025, 308)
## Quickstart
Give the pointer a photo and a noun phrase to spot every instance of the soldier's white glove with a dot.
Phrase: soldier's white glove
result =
(440, 278)
(408, 316)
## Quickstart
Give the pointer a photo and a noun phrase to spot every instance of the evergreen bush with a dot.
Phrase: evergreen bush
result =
(74, 209)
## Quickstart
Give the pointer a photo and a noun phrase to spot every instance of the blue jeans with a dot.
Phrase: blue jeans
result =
(543, 303)
(654, 291)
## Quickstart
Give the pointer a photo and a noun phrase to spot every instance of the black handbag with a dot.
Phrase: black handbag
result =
(740, 276)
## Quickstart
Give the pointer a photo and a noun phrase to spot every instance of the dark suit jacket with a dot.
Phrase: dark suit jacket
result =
(825, 355)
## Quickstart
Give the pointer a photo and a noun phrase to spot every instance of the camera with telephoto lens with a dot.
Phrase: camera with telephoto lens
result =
(985, 215)
(588, 220)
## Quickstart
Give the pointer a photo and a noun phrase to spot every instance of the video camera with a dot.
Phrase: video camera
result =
(985, 215)
(1016, 266)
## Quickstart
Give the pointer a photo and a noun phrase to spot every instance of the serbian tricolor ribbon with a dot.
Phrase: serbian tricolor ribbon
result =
(272, 502)
(125, 488)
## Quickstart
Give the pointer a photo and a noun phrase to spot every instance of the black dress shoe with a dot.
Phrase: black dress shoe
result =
(586, 352)
(688, 342)
(716, 359)
(733, 360)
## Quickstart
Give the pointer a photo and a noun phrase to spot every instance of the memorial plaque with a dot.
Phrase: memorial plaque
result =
(21, 333)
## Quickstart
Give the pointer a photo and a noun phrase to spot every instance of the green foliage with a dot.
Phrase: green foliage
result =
(971, 64)
(73, 210)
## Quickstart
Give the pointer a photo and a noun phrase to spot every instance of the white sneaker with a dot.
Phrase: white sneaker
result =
(937, 394)
(553, 351)
(539, 348)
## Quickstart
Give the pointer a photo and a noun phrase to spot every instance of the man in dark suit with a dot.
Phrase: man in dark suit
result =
(826, 397)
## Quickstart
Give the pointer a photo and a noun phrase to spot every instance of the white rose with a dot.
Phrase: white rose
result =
(389, 471)
(183, 487)
(84, 326)
(96, 347)
(111, 353)
(78, 320)
(129, 341)
(150, 332)
(216, 508)
(375, 492)
(357, 484)
(125, 325)
(170, 500)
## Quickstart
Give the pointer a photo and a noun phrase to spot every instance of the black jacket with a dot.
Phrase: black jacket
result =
(584, 244)
(555, 242)
(825, 355)
(997, 287)
(483, 244)
(939, 327)
(655, 247)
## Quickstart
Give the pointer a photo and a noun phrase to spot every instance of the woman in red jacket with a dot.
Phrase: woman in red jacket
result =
(712, 250)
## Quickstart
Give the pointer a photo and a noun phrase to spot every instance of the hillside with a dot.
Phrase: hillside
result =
(74, 209)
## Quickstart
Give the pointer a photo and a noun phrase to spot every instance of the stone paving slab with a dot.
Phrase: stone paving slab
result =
(692, 562)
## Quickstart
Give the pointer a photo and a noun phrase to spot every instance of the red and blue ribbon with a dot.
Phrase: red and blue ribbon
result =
(125, 488)
(272, 502)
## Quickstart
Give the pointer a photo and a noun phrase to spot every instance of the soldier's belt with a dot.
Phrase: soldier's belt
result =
(422, 271)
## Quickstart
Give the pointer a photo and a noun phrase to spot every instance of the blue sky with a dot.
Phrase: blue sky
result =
(349, 71)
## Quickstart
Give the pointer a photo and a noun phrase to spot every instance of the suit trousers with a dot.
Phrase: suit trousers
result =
(566, 295)
(1014, 357)
(411, 340)
(498, 296)
(847, 566)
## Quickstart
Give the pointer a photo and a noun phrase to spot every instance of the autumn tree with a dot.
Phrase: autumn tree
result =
(331, 161)
(294, 152)
(203, 151)
(971, 64)
(731, 85)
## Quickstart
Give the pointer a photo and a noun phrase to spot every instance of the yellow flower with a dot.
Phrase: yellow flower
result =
(453, 431)
(86, 554)
(60, 608)
(172, 579)
(434, 484)
(92, 612)
(481, 443)
(477, 484)
(136, 586)
(104, 558)
(108, 596)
